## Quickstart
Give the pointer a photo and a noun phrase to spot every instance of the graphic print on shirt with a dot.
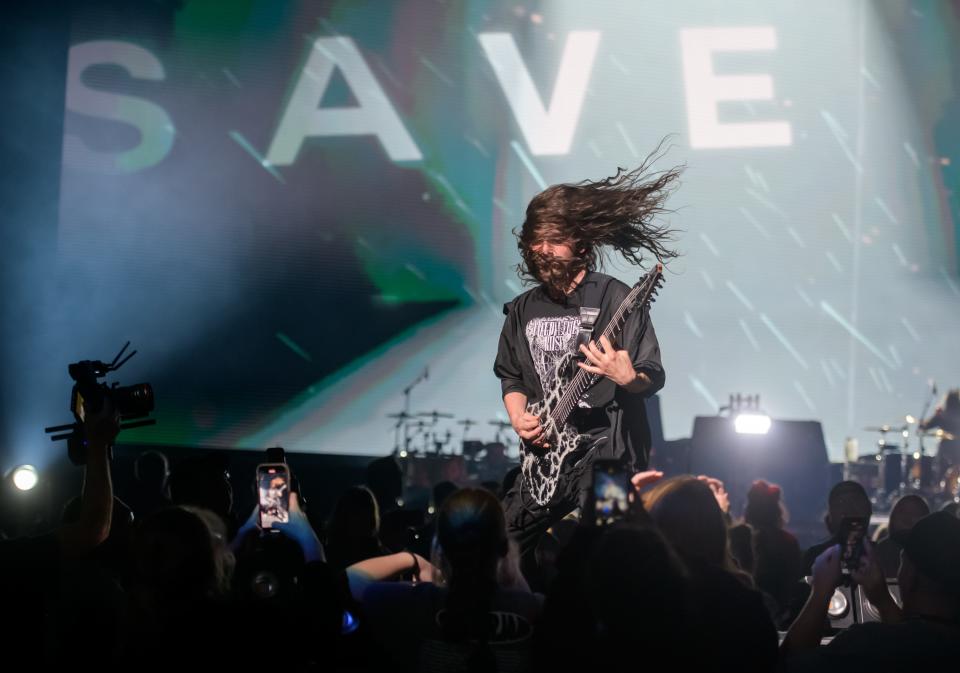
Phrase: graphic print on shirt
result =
(549, 340)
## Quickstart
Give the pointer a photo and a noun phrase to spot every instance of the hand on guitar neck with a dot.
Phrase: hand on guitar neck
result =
(616, 365)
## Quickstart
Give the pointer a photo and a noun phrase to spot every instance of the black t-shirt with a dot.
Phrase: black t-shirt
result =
(551, 330)
(539, 331)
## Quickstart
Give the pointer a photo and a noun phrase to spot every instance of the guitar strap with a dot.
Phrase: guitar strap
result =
(593, 296)
(588, 318)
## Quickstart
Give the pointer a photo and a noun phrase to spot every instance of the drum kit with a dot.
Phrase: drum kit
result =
(432, 447)
(897, 468)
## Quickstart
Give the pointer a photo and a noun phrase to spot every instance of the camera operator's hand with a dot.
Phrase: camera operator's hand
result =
(96, 504)
(101, 428)
(298, 528)
(826, 571)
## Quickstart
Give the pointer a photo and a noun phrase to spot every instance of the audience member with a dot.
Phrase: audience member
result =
(461, 615)
(905, 513)
(151, 491)
(729, 615)
(30, 568)
(204, 482)
(398, 525)
(353, 531)
(952, 507)
(776, 553)
(179, 576)
(846, 499)
(640, 598)
(922, 635)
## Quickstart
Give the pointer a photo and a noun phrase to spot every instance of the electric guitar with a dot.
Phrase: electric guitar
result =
(540, 466)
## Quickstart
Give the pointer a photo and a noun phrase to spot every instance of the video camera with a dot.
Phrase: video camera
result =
(89, 396)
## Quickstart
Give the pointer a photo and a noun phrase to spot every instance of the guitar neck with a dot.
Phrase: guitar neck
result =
(583, 379)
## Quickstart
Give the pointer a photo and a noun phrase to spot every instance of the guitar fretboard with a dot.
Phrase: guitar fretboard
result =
(583, 379)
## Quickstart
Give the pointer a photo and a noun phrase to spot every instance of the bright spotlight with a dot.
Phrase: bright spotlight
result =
(25, 477)
(752, 424)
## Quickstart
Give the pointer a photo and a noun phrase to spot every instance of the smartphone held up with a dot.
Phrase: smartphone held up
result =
(852, 532)
(273, 489)
(610, 494)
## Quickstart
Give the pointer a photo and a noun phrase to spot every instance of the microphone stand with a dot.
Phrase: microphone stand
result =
(423, 376)
(920, 433)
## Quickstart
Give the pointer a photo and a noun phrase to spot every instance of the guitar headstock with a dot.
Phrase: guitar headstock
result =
(649, 284)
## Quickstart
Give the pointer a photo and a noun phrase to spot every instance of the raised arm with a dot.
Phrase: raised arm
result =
(96, 508)
(807, 628)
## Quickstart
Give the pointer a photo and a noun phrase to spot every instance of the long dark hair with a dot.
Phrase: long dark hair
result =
(619, 211)
(686, 512)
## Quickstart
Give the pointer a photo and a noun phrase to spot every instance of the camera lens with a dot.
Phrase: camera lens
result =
(135, 400)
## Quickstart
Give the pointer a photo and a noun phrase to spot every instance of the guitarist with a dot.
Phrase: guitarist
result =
(560, 246)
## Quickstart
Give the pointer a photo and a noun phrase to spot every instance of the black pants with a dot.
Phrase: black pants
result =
(527, 521)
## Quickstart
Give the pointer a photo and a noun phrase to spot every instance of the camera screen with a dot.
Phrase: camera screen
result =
(274, 493)
(610, 496)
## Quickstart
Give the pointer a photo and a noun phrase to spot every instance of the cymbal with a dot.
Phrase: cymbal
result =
(403, 415)
(939, 433)
(435, 414)
(468, 422)
(503, 425)
(885, 428)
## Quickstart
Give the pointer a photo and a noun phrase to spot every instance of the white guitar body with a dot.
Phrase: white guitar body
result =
(541, 467)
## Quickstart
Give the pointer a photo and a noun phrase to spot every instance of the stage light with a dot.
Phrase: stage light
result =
(25, 477)
(752, 424)
(748, 415)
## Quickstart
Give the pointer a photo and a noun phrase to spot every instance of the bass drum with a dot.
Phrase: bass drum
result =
(922, 472)
(866, 471)
(425, 471)
(893, 470)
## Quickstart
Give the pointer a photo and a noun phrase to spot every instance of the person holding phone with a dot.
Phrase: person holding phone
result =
(923, 633)
(27, 564)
